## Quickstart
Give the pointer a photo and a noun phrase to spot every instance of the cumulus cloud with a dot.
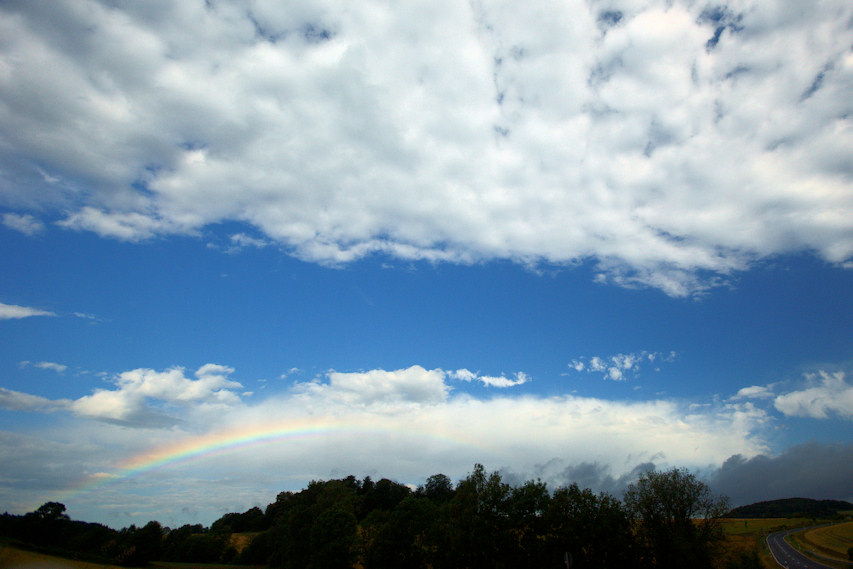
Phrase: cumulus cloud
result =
(811, 470)
(25, 223)
(620, 367)
(490, 381)
(139, 395)
(129, 403)
(411, 385)
(12, 311)
(457, 131)
(830, 394)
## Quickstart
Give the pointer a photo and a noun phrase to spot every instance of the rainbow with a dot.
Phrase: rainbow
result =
(200, 448)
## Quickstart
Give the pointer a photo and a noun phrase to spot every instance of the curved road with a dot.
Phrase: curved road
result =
(787, 556)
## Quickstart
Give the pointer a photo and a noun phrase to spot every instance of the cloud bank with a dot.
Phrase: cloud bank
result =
(669, 143)
(405, 424)
(812, 470)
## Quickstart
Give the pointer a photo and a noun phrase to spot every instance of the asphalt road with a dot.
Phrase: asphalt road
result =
(787, 556)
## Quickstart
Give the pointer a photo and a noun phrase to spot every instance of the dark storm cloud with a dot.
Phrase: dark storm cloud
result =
(811, 470)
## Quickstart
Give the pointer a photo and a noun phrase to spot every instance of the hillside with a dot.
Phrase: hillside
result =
(792, 507)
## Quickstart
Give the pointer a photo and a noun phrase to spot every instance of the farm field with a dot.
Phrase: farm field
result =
(744, 536)
(12, 558)
(760, 526)
(832, 540)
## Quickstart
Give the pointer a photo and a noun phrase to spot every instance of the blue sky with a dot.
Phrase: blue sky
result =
(559, 242)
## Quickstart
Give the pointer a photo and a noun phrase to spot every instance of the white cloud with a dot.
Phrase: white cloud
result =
(241, 240)
(672, 148)
(830, 394)
(378, 387)
(754, 392)
(25, 223)
(127, 226)
(58, 368)
(621, 366)
(404, 424)
(12, 311)
(139, 396)
(17, 401)
(490, 381)
(88, 316)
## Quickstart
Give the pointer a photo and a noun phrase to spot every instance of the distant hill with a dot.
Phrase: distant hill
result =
(791, 508)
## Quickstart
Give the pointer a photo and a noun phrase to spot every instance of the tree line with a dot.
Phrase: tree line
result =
(665, 520)
(793, 508)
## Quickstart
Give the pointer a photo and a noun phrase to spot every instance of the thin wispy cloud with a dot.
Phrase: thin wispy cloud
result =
(13, 312)
(24, 223)
(58, 368)
(501, 381)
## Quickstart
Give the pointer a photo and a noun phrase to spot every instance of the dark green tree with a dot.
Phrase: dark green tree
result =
(595, 529)
(438, 488)
(678, 518)
(176, 543)
(403, 538)
(475, 524)
(526, 508)
(332, 539)
(295, 515)
(51, 511)
(383, 495)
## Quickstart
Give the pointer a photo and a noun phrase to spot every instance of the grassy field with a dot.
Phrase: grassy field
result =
(761, 526)
(742, 536)
(11, 558)
(833, 541)
(747, 535)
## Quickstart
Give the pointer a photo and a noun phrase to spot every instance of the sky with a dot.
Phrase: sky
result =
(246, 245)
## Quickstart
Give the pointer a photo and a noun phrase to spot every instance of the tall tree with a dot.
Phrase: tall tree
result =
(404, 539)
(332, 538)
(51, 511)
(595, 529)
(679, 518)
(438, 488)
